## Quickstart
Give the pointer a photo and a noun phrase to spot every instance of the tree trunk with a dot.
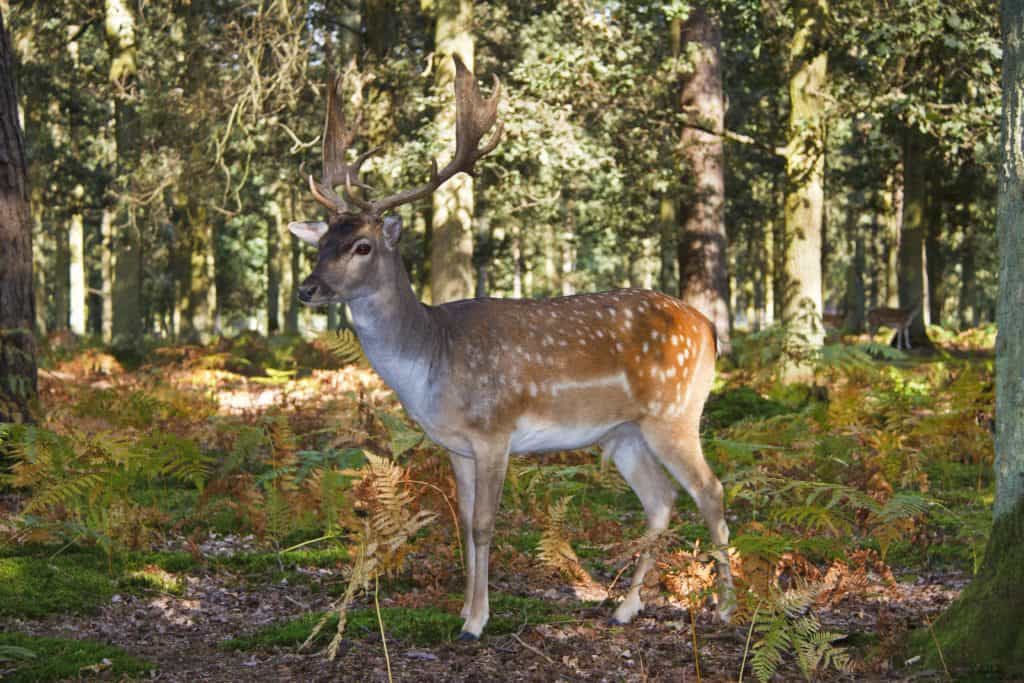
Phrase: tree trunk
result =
(912, 273)
(76, 273)
(805, 195)
(894, 224)
(451, 249)
(127, 244)
(984, 628)
(703, 272)
(60, 279)
(17, 302)
(668, 281)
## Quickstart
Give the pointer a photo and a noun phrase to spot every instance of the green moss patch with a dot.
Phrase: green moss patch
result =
(416, 626)
(33, 587)
(59, 658)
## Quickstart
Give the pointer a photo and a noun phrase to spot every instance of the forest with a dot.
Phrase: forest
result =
(211, 470)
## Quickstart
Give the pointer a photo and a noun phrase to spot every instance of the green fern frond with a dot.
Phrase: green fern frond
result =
(345, 346)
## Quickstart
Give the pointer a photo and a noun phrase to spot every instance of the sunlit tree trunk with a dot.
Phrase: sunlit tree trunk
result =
(667, 221)
(912, 273)
(893, 223)
(127, 243)
(17, 302)
(451, 249)
(76, 274)
(984, 628)
(107, 274)
(805, 195)
(703, 273)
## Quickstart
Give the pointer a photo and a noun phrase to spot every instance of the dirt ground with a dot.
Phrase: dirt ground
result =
(181, 636)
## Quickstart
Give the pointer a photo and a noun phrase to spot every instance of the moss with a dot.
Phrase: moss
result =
(732, 405)
(59, 658)
(33, 587)
(416, 626)
(983, 631)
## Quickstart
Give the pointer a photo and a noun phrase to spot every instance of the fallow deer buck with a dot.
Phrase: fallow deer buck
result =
(627, 369)
(898, 319)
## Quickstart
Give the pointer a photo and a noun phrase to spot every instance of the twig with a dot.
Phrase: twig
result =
(696, 654)
(746, 646)
(532, 649)
(380, 622)
(455, 515)
(937, 648)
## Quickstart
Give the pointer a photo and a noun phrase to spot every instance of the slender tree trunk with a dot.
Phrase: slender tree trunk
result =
(107, 274)
(933, 257)
(76, 274)
(451, 249)
(17, 302)
(703, 273)
(912, 273)
(984, 628)
(127, 301)
(668, 281)
(60, 278)
(894, 223)
(274, 269)
(291, 314)
(805, 195)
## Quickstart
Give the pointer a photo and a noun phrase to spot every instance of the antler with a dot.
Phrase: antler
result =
(337, 138)
(474, 116)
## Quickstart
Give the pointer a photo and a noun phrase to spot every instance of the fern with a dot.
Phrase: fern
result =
(786, 625)
(384, 535)
(345, 346)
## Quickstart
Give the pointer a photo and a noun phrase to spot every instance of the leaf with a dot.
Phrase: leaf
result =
(403, 437)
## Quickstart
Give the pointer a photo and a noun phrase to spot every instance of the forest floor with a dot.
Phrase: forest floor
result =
(211, 564)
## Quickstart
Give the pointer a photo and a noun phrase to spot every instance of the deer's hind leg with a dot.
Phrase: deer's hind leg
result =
(638, 466)
(677, 445)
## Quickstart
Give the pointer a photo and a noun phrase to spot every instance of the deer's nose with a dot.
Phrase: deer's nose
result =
(307, 290)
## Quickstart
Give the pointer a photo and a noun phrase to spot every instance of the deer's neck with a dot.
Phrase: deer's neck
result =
(402, 341)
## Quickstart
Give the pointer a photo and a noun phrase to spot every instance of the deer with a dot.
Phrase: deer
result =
(486, 378)
(898, 319)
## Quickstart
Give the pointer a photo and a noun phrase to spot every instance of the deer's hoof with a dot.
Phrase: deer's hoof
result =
(466, 636)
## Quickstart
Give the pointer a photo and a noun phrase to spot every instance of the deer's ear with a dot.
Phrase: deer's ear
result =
(309, 232)
(392, 231)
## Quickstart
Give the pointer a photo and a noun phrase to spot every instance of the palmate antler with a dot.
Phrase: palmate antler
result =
(474, 117)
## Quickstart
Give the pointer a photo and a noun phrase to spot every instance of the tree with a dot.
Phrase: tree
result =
(451, 248)
(127, 293)
(703, 278)
(17, 301)
(805, 193)
(985, 627)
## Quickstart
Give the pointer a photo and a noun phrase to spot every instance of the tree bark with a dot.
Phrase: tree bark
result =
(703, 269)
(127, 325)
(76, 273)
(17, 302)
(451, 249)
(912, 273)
(984, 628)
(805, 194)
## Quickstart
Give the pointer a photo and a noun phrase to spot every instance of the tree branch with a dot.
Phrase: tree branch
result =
(740, 138)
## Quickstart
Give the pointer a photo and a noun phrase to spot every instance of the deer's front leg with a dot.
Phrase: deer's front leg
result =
(465, 487)
(491, 463)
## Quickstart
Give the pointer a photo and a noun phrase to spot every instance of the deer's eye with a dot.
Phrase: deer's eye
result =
(362, 249)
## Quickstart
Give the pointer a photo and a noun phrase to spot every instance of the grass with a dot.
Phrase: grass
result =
(417, 626)
(59, 658)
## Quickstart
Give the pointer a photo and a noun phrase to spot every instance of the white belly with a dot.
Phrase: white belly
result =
(534, 434)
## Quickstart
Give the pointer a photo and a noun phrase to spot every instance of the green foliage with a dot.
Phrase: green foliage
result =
(61, 659)
(34, 587)
(785, 624)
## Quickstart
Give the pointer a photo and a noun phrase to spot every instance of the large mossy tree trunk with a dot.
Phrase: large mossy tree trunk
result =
(984, 628)
(17, 302)
(913, 285)
(805, 187)
(451, 247)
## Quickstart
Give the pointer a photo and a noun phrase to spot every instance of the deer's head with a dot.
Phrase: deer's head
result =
(358, 246)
